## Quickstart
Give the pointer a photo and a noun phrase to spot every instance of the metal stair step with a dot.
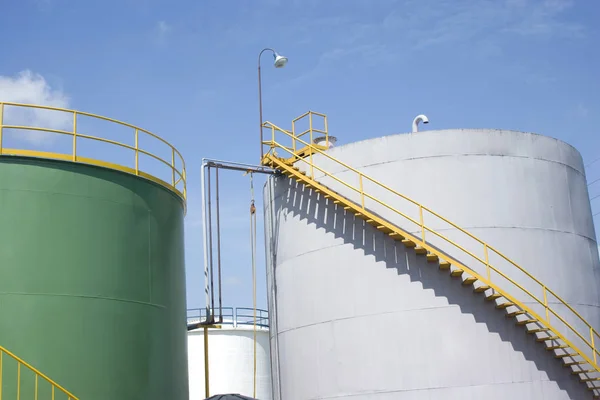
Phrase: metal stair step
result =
(469, 281)
(420, 250)
(515, 313)
(456, 273)
(560, 346)
(545, 339)
(408, 243)
(569, 364)
(566, 355)
(481, 289)
(504, 305)
(536, 330)
(493, 296)
(585, 371)
(527, 321)
(432, 257)
(590, 379)
(444, 265)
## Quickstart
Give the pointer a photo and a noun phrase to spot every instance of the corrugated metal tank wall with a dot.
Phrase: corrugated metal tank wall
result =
(382, 322)
(231, 362)
(93, 280)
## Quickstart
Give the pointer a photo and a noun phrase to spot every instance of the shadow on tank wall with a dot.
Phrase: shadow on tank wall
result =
(297, 200)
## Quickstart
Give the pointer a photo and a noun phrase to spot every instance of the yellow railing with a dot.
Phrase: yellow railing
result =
(39, 387)
(588, 338)
(177, 176)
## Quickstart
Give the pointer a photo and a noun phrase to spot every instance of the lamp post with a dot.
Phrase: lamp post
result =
(279, 62)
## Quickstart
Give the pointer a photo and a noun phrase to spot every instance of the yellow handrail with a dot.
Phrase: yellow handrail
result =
(587, 338)
(177, 176)
(54, 389)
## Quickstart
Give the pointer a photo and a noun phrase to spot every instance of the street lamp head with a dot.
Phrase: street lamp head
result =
(280, 60)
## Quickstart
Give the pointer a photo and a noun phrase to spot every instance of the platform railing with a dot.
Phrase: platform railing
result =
(555, 311)
(177, 181)
(232, 316)
(35, 386)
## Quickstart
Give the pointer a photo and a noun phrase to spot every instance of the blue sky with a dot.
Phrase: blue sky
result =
(186, 70)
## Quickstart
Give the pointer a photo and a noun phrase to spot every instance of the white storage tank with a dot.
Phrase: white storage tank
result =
(355, 313)
(231, 355)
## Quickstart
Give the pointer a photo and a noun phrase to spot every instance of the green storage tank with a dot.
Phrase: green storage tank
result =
(92, 280)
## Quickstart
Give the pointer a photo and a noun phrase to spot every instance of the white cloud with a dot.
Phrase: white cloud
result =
(163, 29)
(30, 88)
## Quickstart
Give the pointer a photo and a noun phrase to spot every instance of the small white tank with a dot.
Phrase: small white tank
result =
(231, 355)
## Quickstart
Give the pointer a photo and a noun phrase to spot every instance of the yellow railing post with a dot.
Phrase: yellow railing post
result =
(487, 262)
(422, 223)
(326, 131)
(137, 153)
(173, 166)
(546, 303)
(18, 380)
(36, 387)
(593, 344)
(1, 372)
(293, 135)
(362, 193)
(1, 125)
(310, 127)
(74, 136)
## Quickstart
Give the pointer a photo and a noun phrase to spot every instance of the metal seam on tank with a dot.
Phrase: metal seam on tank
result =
(467, 228)
(281, 261)
(83, 296)
(83, 165)
(408, 310)
(560, 143)
(95, 198)
(438, 388)
(458, 155)
(430, 308)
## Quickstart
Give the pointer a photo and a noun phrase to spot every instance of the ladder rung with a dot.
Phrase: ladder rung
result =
(469, 281)
(456, 273)
(432, 257)
(544, 339)
(444, 265)
(561, 346)
(515, 313)
(505, 305)
(525, 321)
(481, 288)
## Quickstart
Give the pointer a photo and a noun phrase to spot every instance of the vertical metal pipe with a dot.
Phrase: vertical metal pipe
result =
(205, 235)
(210, 251)
(260, 109)
(206, 376)
(218, 243)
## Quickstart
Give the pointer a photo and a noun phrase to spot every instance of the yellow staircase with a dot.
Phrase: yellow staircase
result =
(554, 323)
(21, 381)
